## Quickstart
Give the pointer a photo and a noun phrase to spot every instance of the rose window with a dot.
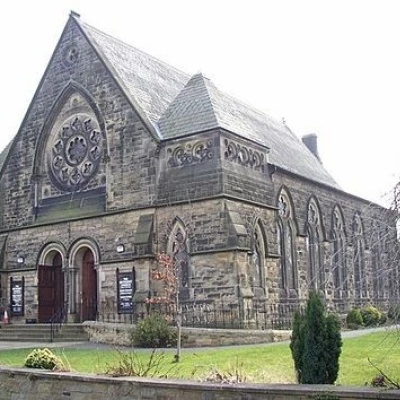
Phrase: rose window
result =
(75, 152)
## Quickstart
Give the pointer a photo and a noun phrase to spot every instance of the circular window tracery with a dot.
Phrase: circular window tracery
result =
(75, 152)
(71, 55)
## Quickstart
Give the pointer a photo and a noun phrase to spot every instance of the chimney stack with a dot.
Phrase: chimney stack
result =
(311, 141)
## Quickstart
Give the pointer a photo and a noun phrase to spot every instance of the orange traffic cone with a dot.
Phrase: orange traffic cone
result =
(5, 318)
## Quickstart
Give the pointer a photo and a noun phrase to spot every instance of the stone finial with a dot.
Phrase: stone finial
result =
(74, 14)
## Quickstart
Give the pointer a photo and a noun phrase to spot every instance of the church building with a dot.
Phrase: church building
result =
(122, 157)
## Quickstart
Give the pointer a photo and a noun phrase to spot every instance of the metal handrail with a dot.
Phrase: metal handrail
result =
(56, 321)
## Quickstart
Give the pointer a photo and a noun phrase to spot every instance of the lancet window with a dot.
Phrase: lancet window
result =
(286, 242)
(340, 279)
(316, 265)
(258, 259)
(359, 257)
(178, 247)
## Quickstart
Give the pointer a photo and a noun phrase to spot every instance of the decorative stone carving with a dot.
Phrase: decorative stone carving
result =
(75, 154)
(71, 55)
(313, 214)
(243, 155)
(190, 153)
(284, 206)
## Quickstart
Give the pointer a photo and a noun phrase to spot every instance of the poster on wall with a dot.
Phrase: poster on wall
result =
(125, 291)
(17, 293)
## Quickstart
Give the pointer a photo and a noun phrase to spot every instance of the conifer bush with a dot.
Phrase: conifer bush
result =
(316, 343)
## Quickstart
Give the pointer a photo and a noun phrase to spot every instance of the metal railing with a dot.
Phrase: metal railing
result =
(57, 320)
(209, 314)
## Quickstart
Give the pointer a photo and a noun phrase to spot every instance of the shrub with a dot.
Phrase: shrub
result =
(371, 316)
(383, 319)
(44, 359)
(333, 347)
(354, 318)
(394, 312)
(314, 334)
(316, 344)
(296, 343)
(153, 332)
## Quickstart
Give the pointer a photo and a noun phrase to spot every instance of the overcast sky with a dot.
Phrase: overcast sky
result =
(327, 67)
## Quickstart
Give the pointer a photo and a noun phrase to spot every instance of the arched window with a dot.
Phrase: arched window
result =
(178, 247)
(376, 261)
(340, 280)
(316, 265)
(390, 245)
(286, 233)
(258, 260)
(359, 257)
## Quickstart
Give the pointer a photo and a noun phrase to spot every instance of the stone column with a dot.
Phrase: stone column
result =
(66, 280)
(73, 309)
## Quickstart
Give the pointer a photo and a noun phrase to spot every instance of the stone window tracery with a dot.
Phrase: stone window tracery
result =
(285, 235)
(258, 257)
(359, 257)
(339, 253)
(316, 267)
(178, 248)
(71, 55)
(75, 152)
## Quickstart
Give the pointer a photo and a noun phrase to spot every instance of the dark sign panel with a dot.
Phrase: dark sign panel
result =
(17, 296)
(125, 291)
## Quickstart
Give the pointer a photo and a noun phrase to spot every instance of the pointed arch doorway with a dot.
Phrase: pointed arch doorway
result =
(50, 287)
(89, 287)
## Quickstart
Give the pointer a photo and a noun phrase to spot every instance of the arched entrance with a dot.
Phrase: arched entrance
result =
(50, 287)
(89, 287)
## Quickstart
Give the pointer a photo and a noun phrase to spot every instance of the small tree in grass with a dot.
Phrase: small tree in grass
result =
(167, 273)
(316, 344)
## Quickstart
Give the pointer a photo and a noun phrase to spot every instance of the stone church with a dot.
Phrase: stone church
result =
(121, 157)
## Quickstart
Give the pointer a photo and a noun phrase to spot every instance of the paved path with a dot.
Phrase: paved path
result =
(94, 345)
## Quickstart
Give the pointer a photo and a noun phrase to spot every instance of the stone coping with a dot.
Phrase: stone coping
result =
(71, 382)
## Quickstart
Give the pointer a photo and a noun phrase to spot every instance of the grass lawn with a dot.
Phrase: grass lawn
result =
(259, 363)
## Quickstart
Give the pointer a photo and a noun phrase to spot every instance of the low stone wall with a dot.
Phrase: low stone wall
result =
(35, 384)
(119, 334)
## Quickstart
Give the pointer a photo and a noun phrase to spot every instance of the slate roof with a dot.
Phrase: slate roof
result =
(152, 83)
(174, 105)
(177, 105)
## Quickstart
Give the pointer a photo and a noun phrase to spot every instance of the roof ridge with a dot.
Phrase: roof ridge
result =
(192, 109)
(207, 81)
(238, 100)
(99, 31)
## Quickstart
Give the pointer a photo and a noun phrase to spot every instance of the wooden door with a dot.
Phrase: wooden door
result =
(89, 288)
(51, 289)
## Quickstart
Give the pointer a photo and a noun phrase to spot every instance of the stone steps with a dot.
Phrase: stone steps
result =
(41, 333)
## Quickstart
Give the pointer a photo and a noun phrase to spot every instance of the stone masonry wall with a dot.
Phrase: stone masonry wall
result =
(374, 219)
(35, 384)
(127, 142)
